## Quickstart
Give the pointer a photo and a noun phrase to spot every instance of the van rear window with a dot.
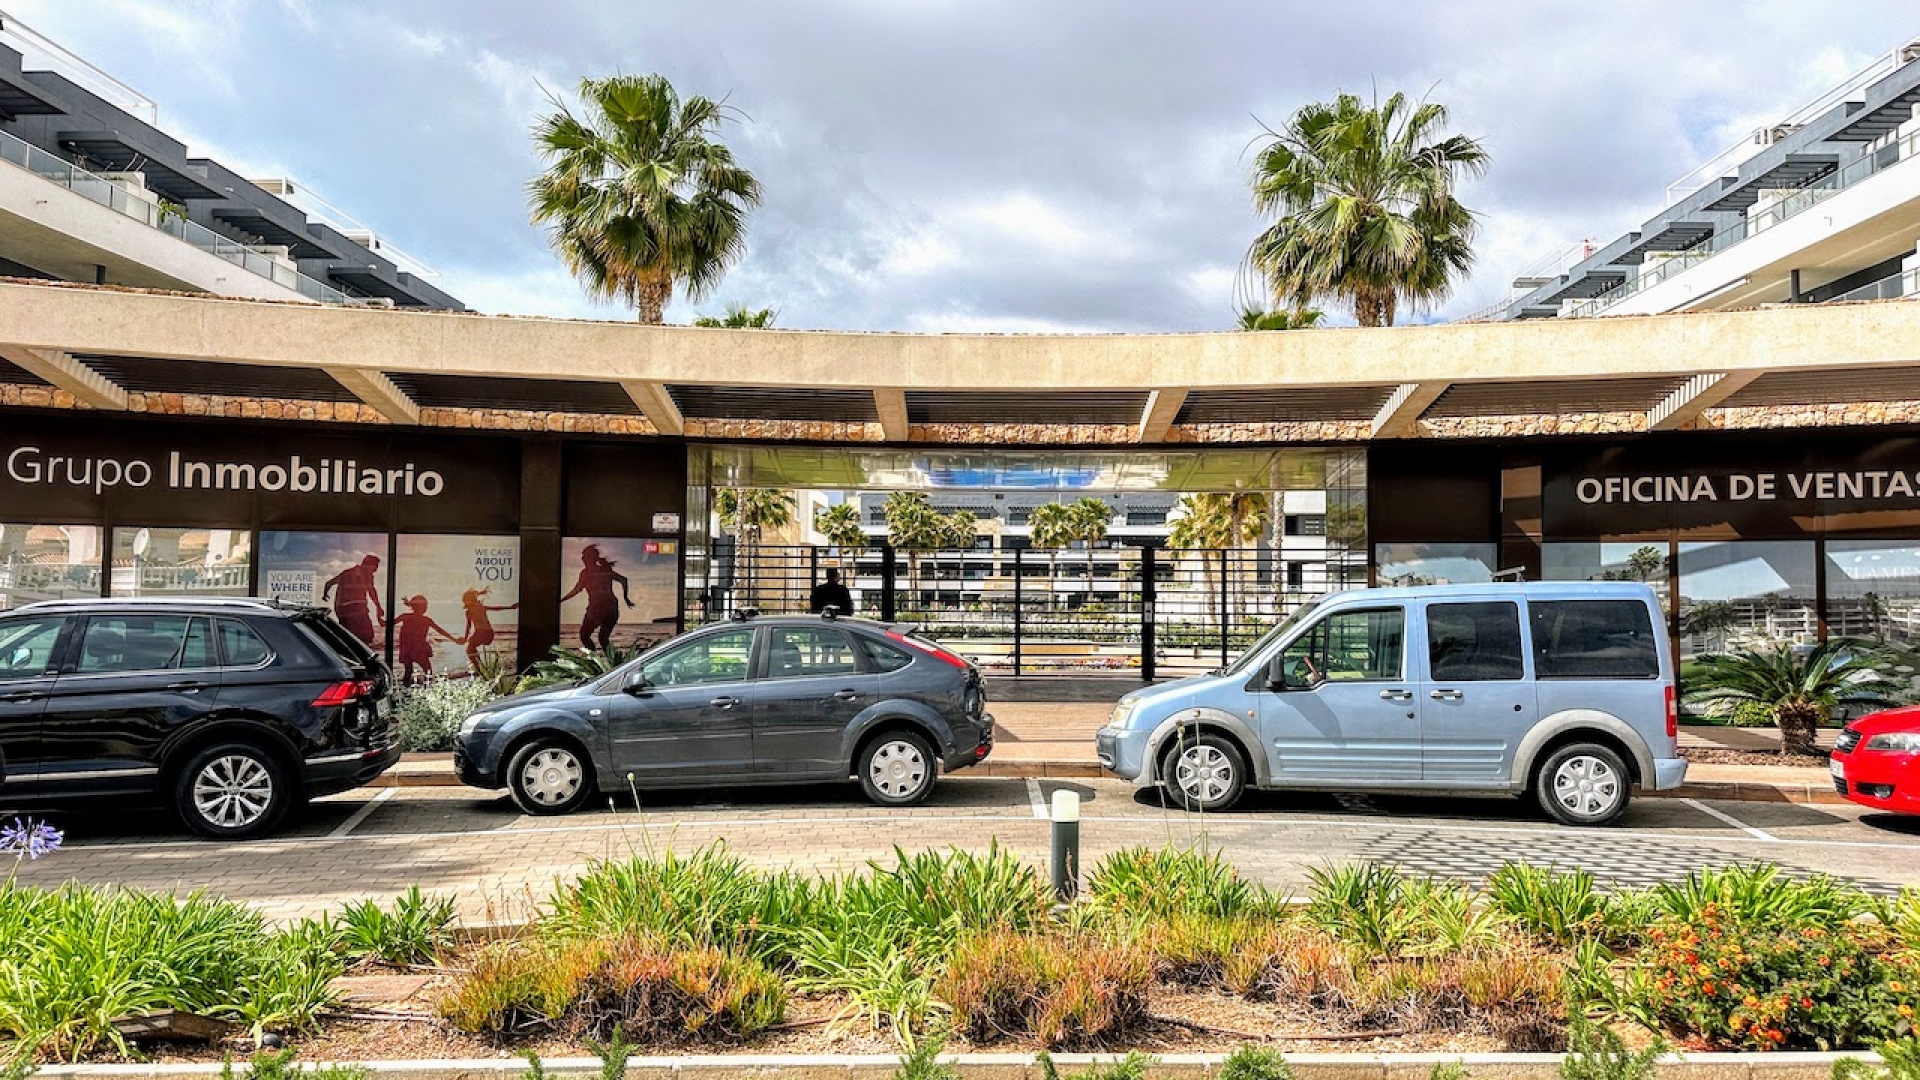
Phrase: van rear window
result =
(1593, 639)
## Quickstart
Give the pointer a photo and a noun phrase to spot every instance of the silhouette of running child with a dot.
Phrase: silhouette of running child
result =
(479, 630)
(410, 645)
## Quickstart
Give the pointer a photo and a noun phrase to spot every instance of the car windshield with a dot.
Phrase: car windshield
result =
(1246, 659)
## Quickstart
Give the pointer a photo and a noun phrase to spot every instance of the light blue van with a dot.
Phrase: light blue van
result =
(1561, 690)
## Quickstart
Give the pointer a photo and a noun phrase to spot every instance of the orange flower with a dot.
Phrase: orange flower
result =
(1896, 986)
(1750, 1001)
(1706, 988)
(1806, 1003)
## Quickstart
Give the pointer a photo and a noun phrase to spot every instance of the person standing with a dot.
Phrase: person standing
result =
(597, 578)
(357, 591)
(830, 593)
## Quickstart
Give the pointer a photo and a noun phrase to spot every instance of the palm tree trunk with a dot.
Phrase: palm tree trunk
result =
(1798, 721)
(651, 298)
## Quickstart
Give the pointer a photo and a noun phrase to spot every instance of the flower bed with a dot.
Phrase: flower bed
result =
(1168, 950)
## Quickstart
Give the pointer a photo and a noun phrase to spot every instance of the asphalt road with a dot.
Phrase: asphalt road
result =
(498, 863)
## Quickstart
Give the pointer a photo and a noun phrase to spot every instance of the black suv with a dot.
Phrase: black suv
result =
(233, 711)
(785, 700)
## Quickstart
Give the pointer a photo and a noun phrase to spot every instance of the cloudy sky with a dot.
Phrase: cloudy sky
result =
(986, 165)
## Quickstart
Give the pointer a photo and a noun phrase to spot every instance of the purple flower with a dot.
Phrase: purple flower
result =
(24, 838)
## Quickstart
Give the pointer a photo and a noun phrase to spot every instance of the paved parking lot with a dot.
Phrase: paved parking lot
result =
(500, 863)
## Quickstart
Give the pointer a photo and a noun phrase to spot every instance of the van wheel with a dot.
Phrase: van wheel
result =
(549, 776)
(897, 769)
(1204, 773)
(1583, 784)
(232, 791)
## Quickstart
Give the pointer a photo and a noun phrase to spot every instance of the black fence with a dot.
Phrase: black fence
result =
(1154, 612)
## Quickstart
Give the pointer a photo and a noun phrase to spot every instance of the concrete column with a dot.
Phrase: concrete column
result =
(542, 475)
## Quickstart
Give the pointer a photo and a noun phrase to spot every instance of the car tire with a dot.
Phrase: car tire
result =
(897, 768)
(549, 776)
(1583, 784)
(1204, 773)
(233, 791)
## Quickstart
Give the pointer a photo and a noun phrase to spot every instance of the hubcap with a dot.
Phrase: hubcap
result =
(233, 791)
(1204, 773)
(1586, 785)
(898, 769)
(551, 776)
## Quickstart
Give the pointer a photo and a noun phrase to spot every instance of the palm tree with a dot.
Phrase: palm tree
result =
(638, 195)
(748, 513)
(1224, 520)
(1801, 690)
(840, 525)
(739, 317)
(1366, 211)
(1253, 318)
(913, 526)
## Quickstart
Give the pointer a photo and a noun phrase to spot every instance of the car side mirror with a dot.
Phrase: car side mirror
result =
(636, 683)
(1297, 675)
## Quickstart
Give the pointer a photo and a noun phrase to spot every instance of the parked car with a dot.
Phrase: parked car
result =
(753, 701)
(234, 712)
(1559, 690)
(1876, 760)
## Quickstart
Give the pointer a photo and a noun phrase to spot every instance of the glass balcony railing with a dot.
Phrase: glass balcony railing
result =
(1800, 201)
(1891, 287)
(164, 218)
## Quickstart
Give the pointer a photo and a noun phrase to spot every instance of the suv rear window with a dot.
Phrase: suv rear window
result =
(338, 637)
(1593, 639)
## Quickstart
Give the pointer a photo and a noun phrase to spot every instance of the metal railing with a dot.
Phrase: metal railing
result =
(1891, 287)
(1153, 611)
(1802, 200)
(164, 218)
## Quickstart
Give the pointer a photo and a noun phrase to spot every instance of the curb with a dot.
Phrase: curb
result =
(1783, 1065)
(436, 771)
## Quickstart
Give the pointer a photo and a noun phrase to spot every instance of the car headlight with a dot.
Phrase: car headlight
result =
(1898, 742)
(472, 723)
(1122, 713)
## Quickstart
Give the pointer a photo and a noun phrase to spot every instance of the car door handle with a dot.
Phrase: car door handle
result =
(187, 687)
(20, 695)
(1447, 695)
(724, 702)
(847, 695)
(1396, 695)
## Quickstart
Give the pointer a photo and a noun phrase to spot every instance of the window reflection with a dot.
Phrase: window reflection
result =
(1740, 595)
(1625, 560)
(1873, 590)
(181, 562)
(1434, 564)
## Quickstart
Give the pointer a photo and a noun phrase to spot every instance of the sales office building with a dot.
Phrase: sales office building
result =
(505, 477)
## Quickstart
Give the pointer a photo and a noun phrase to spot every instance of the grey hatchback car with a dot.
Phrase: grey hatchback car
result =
(783, 700)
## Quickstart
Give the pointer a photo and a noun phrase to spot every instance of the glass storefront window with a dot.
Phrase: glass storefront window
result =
(1746, 594)
(48, 562)
(181, 562)
(1434, 564)
(1873, 590)
(1608, 560)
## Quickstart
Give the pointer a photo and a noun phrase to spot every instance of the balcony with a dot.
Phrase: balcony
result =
(163, 218)
(1785, 209)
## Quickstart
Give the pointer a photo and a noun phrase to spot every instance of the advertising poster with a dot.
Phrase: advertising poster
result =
(48, 562)
(456, 604)
(345, 572)
(617, 592)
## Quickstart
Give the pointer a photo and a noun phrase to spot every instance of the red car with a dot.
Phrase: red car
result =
(1876, 761)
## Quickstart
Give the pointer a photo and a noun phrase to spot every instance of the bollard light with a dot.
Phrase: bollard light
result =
(1066, 846)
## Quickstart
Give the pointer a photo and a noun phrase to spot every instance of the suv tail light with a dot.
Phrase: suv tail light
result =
(342, 693)
(932, 650)
(1673, 714)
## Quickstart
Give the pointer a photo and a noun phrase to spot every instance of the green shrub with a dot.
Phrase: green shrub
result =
(570, 665)
(1595, 1052)
(71, 959)
(1165, 882)
(1066, 993)
(415, 930)
(709, 898)
(1553, 906)
(1734, 982)
(921, 1062)
(1750, 714)
(1900, 1060)
(641, 989)
(1132, 1067)
(1255, 1063)
(282, 1066)
(430, 713)
(1760, 895)
(1375, 908)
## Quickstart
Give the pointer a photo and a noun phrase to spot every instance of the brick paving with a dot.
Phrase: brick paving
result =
(499, 864)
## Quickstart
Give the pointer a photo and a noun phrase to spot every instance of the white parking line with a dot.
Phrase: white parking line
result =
(360, 815)
(1038, 798)
(1729, 819)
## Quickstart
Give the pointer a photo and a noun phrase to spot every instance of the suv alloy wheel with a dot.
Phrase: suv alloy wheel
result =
(232, 791)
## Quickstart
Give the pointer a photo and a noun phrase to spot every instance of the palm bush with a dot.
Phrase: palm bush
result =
(1801, 689)
(567, 665)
